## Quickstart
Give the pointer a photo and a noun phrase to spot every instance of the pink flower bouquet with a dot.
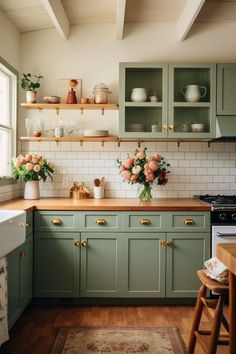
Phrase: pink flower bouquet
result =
(31, 168)
(145, 170)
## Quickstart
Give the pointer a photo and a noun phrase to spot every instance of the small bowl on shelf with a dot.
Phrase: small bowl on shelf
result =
(51, 99)
(197, 127)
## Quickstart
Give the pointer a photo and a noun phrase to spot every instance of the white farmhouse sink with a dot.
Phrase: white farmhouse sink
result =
(12, 230)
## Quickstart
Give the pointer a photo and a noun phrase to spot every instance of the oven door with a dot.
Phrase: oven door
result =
(222, 234)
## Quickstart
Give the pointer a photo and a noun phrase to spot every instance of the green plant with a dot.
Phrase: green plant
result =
(30, 82)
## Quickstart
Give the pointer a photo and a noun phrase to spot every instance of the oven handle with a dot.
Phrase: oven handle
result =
(221, 234)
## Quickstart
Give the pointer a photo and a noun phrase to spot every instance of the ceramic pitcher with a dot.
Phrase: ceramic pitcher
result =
(193, 93)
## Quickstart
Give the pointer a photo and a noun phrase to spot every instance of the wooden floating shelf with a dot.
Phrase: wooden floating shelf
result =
(58, 106)
(110, 138)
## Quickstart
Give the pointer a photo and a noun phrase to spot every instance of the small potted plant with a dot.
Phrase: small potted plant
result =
(29, 83)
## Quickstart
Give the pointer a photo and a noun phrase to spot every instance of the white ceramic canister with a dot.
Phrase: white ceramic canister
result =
(139, 94)
(98, 192)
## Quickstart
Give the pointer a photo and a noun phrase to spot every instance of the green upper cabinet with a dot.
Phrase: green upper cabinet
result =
(192, 100)
(226, 89)
(143, 116)
(188, 90)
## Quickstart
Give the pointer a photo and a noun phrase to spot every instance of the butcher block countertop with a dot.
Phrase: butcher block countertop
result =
(106, 204)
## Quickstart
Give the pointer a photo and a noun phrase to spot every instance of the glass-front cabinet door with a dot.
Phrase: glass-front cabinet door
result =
(143, 100)
(192, 100)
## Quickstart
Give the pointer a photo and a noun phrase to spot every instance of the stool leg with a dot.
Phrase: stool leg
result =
(196, 319)
(216, 325)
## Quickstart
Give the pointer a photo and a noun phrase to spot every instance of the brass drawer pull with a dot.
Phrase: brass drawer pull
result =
(77, 243)
(101, 222)
(57, 222)
(84, 243)
(145, 222)
(169, 243)
(163, 243)
(189, 222)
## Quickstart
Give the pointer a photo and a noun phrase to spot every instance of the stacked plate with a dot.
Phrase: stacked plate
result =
(94, 133)
(136, 127)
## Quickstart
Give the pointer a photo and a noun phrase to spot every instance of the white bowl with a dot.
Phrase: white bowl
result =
(197, 127)
(95, 133)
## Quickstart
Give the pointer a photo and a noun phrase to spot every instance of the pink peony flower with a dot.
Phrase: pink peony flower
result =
(126, 175)
(20, 158)
(29, 166)
(35, 159)
(128, 163)
(37, 168)
(28, 157)
(150, 176)
(153, 165)
(157, 157)
(18, 164)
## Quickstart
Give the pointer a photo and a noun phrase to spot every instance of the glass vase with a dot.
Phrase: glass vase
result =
(146, 193)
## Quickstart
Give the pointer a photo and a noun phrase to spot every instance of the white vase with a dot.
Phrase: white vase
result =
(31, 190)
(31, 96)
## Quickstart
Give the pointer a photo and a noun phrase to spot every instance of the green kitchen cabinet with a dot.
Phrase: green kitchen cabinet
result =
(56, 264)
(185, 254)
(143, 265)
(20, 279)
(226, 89)
(101, 262)
(143, 119)
(189, 119)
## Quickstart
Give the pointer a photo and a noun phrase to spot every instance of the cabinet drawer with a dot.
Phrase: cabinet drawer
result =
(29, 223)
(190, 221)
(56, 221)
(143, 222)
(106, 221)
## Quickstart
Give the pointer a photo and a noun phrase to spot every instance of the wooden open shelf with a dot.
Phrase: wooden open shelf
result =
(110, 138)
(78, 106)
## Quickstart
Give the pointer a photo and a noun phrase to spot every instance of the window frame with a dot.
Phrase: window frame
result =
(12, 74)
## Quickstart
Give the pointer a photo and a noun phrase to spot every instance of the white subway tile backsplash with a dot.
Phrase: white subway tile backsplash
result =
(196, 168)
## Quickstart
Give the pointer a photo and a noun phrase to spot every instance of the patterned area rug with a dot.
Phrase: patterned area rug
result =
(115, 340)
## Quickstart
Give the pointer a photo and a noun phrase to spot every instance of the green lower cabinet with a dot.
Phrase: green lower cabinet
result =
(56, 264)
(101, 260)
(20, 279)
(143, 265)
(186, 254)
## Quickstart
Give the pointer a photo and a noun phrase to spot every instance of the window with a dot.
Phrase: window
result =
(8, 113)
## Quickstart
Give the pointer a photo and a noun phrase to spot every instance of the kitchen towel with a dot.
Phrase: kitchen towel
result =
(215, 269)
(3, 301)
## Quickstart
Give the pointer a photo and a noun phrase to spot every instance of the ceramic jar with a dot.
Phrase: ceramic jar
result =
(31, 190)
(101, 93)
(138, 95)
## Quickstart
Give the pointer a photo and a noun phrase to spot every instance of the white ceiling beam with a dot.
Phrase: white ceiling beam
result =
(58, 16)
(187, 17)
(120, 18)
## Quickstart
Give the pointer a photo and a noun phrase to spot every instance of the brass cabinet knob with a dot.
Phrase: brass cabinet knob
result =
(23, 254)
(169, 243)
(189, 222)
(57, 222)
(27, 224)
(163, 243)
(171, 127)
(145, 222)
(77, 243)
(164, 127)
(101, 222)
(84, 243)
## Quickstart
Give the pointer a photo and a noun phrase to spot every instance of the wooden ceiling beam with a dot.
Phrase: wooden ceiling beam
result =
(58, 16)
(188, 16)
(120, 18)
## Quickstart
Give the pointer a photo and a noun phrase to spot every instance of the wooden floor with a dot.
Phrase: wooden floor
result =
(36, 330)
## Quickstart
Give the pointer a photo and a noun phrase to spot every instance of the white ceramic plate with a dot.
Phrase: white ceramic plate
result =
(95, 133)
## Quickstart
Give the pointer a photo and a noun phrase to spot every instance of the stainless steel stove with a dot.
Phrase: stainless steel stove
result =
(223, 219)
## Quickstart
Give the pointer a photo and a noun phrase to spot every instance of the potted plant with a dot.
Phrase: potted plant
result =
(29, 83)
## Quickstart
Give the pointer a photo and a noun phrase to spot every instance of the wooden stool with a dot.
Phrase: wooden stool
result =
(213, 308)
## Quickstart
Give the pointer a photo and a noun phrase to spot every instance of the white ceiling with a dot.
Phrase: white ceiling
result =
(32, 15)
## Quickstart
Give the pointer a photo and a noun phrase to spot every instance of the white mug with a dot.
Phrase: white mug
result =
(98, 192)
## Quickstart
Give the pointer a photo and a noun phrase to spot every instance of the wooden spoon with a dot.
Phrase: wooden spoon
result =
(97, 182)
(102, 182)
